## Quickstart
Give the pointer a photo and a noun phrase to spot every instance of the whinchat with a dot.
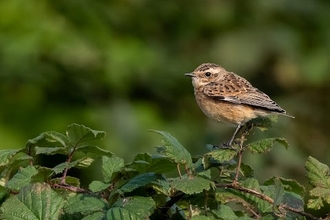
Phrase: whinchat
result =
(226, 97)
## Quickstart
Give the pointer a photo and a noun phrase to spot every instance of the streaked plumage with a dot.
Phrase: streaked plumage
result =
(229, 98)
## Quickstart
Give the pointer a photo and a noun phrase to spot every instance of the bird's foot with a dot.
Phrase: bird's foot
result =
(226, 145)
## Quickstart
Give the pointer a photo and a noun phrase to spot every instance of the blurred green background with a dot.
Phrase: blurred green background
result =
(119, 66)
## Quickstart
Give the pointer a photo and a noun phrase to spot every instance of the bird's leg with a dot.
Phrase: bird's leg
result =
(227, 145)
(234, 135)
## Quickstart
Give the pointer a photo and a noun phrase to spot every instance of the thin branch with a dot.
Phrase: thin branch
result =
(178, 168)
(266, 198)
(70, 188)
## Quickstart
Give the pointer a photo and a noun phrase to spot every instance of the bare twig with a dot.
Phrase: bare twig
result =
(70, 188)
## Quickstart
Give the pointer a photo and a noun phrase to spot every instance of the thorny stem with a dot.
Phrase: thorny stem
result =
(266, 198)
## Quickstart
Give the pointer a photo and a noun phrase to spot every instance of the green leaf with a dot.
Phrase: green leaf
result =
(110, 165)
(95, 216)
(6, 155)
(50, 150)
(80, 163)
(317, 173)
(191, 185)
(279, 192)
(97, 186)
(84, 204)
(49, 139)
(265, 145)
(289, 185)
(141, 180)
(319, 177)
(224, 212)
(315, 203)
(247, 170)
(34, 202)
(82, 136)
(132, 208)
(95, 150)
(21, 178)
(4, 192)
(173, 149)
(218, 157)
(145, 163)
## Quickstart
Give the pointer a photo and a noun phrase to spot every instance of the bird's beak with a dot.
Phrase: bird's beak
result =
(190, 74)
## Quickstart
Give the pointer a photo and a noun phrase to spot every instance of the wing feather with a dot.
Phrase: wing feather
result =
(235, 89)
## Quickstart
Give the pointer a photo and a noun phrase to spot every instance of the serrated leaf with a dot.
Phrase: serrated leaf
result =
(319, 177)
(33, 202)
(172, 148)
(317, 173)
(191, 185)
(278, 192)
(82, 136)
(95, 216)
(110, 165)
(141, 180)
(265, 145)
(6, 155)
(21, 178)
(218, 157)
(84, 204)
(132, 208)
(247, 171)
(48, 139)
(224, 212)
(50, 150)
(97, 186)
(315, 203)
(80, 163)
(289, 185)
(145, 163)
(95, 150)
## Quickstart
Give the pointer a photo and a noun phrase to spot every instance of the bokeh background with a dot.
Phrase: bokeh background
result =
(119, 66)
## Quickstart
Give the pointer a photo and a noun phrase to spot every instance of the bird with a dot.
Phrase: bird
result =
(229, 98)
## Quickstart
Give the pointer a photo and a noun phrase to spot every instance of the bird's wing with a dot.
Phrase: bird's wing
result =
(235, 89)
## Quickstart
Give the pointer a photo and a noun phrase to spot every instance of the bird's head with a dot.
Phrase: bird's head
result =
(205, 74)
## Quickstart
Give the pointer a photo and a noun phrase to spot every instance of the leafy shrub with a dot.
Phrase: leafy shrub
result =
(168, 185)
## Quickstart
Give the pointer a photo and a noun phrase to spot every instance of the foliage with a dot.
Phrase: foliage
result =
(168, 185)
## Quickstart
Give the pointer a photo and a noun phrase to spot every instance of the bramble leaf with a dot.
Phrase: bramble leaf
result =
(132, 208)
(319, 177)
(141, 180)
(192, 185)
(289, 185)
(265, 145)
(33, 202)
(84, 204)
(145, 163)
(6, 155)
(82, 136)
(218, 157)
(49, 139)
(173, 150)
(97, 186)
(21, 178)
(110, 165)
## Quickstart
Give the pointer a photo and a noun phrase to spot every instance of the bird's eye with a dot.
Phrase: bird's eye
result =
(208, 74)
